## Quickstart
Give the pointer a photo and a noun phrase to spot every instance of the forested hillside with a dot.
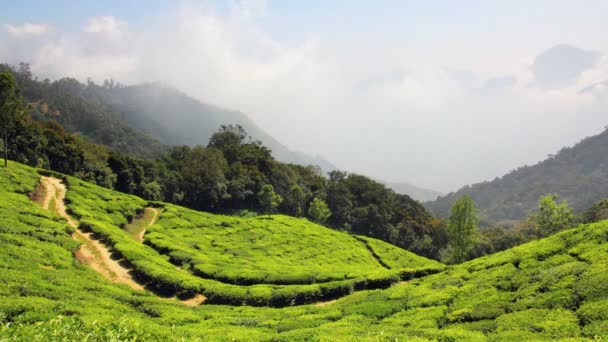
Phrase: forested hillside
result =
(175, 118)
(578, 174)
(67, 101)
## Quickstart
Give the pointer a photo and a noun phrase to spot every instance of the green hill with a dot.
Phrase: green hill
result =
(578, 174)
(550, 289)
(275, 260)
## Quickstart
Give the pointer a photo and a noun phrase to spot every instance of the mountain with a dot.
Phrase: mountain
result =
(419, 194)
(175, 118)
(578, 174)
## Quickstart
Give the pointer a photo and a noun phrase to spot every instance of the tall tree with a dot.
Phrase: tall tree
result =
(298, 196)
(552, 217)
(11, 107)
(462, 230)
(269, 200)
(318, 211)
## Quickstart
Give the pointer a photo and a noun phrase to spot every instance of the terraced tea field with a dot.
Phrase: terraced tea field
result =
(264, 261)
(552, 289)
(275, 250)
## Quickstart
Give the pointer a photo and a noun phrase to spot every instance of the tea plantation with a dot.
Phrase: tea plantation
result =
(551, 289)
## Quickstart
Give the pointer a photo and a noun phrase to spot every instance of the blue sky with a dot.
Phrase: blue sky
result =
(402, 82)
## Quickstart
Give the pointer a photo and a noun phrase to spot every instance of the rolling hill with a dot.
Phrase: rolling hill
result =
(550, 289)
(578, 174)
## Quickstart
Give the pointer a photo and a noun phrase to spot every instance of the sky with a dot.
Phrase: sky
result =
(435, 93)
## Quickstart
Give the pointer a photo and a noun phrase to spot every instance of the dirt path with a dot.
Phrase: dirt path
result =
(322, 304)
(140, 236)
(92, 252)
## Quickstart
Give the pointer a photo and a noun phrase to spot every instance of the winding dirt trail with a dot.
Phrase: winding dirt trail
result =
(92, 252)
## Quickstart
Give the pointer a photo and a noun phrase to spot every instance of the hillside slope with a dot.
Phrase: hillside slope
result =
(579, 174)
(550, 289)
(178, 119)
(65, 101)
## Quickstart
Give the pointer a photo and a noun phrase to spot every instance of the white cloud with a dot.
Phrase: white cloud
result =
(26, 29)
(107, 25)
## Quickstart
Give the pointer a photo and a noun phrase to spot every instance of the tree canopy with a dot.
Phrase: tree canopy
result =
(318, 211)
(462, 230)
(11, 107)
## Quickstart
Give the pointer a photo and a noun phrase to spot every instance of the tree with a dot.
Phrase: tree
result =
(462, 230)
(318, 211)
(11, 107)
(269, 200)
(298, 196)
(552, 217)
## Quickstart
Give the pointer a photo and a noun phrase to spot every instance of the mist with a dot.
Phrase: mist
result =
(396, 91)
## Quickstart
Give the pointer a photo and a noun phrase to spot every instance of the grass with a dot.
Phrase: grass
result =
(551, 289)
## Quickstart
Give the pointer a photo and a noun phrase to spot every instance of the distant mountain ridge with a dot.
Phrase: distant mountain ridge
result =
(417, 193)
(175, 118)
(578, 174)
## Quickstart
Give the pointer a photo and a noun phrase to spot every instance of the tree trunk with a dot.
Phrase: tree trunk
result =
(6, 148)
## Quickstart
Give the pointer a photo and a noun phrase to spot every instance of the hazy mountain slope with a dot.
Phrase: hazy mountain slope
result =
(66, 101)
(578, 174)
(178, 119)
(419, 194)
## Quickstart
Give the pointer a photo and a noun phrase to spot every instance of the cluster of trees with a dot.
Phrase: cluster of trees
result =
(466, 241)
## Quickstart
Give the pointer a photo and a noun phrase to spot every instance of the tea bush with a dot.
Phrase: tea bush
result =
(551, 289)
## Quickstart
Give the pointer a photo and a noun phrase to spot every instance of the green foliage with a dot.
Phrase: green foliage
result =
(597, 212)
(318, 211)
(11, 107)
(462, 230)
(552, 217)
(269, 200)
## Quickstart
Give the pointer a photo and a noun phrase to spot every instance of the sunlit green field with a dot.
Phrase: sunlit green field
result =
(273, 250)
(551, 289)
(265, 261)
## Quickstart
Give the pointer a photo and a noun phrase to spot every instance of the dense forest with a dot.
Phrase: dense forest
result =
(577, 174)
